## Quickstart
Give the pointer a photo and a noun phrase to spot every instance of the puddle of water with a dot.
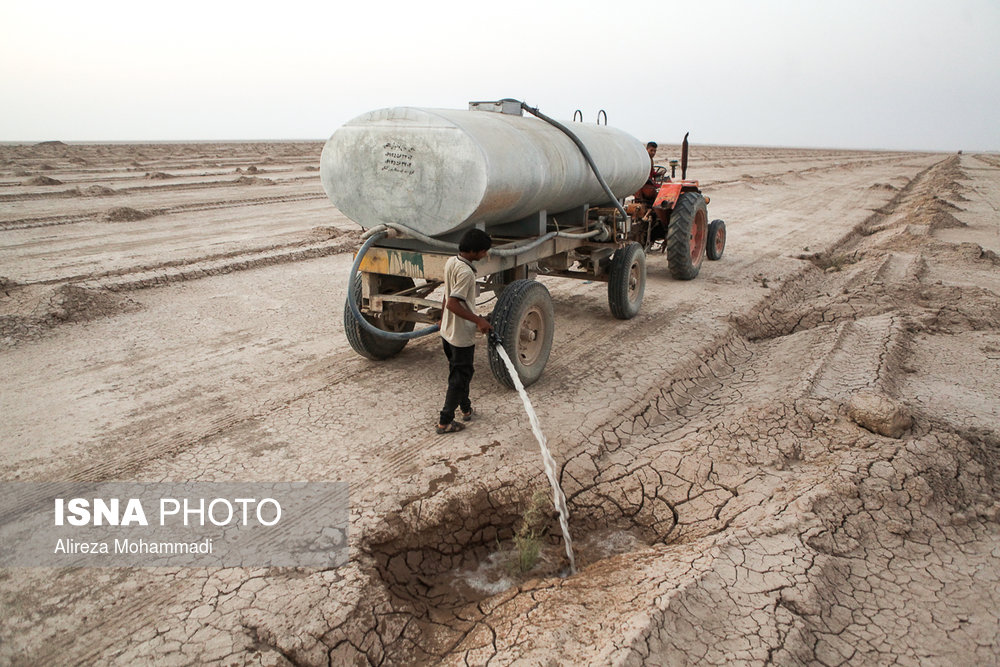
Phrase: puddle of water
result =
(490, 576)
(558, 497)
(498, 571)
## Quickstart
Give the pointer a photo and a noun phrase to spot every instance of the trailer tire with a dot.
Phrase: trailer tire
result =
(365, 343)
(627, 282)
(716, 244)
(686, 236)
(525, 322)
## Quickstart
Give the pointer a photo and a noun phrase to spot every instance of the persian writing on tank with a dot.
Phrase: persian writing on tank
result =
(398, 158)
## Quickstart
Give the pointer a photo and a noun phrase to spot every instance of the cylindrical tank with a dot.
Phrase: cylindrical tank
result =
(442, 170)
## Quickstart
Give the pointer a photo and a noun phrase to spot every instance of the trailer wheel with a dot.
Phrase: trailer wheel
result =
(716, 239)
(524, 320)
(627, 281)
(368, 344)
(686, 236)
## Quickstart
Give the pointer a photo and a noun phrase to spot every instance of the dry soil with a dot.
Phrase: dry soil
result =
(791, 459)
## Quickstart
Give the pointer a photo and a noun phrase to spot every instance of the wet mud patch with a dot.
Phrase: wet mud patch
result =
(493, 570)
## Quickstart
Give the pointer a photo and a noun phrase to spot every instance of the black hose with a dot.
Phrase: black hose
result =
(583, 149)
(365, 324)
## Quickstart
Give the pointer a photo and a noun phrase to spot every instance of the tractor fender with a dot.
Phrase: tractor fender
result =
(670, 192)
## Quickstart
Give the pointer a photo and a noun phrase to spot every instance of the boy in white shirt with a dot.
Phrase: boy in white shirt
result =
(459, 323)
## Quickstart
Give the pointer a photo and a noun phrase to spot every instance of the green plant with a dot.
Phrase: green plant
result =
(530, 531)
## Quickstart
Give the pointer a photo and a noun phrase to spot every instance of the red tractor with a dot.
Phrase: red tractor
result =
(674, 215)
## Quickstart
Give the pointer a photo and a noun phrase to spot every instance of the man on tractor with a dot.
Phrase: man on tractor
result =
(674, 214)
(647, 193)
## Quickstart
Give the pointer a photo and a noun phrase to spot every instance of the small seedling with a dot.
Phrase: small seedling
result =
(531, 531)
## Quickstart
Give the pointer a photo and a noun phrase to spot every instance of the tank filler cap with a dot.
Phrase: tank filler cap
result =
(507, 106)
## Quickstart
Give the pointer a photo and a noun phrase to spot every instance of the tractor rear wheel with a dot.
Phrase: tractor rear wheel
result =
(371, 345)
(525, 322)
(716, 239)
(627, 281)
(687, 233)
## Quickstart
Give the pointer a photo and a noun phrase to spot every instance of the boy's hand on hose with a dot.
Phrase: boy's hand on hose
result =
(484, 325)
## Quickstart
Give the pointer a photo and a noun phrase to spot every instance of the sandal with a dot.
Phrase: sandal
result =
(450, 427)
(467, 416)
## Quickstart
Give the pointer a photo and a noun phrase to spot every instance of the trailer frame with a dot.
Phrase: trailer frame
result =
(389, 297)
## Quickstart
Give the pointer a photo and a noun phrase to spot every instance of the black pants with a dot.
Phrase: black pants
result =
(460, 372)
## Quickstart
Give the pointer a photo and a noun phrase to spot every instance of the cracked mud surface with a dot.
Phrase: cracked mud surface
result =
(791, 459)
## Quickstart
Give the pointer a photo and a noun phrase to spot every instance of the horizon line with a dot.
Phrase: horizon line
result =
(86, 142)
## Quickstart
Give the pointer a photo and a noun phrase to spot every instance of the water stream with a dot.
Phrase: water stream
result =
(558, 497)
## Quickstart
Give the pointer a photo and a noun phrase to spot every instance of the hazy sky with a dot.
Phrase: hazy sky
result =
(907, 74)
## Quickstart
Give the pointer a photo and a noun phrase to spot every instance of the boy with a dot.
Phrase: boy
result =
(459, 323)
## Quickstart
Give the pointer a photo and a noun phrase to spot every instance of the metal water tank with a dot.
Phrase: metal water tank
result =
(442, 170)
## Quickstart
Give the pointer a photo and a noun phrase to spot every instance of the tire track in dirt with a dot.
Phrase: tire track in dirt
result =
(146, 277)
(170, 187)
(49, 221)
(774, 178)
(88, 296)
(990, 160)
(132, 175)
(200, 425)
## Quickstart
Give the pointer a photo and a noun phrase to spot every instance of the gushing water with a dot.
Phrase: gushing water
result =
(558, 497)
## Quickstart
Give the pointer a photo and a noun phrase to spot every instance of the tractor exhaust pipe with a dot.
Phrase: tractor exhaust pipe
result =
(684, 157)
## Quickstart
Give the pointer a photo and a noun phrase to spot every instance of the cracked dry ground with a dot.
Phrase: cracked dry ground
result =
(791, 459)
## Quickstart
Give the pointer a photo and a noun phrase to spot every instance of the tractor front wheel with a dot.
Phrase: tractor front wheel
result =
(716, 239)
(687, 234)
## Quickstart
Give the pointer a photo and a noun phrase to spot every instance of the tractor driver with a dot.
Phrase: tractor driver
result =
(647, 193)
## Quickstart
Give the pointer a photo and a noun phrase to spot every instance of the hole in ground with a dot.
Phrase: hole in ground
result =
(470, 555)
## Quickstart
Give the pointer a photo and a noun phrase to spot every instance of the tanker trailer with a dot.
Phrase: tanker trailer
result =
(550, 197)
